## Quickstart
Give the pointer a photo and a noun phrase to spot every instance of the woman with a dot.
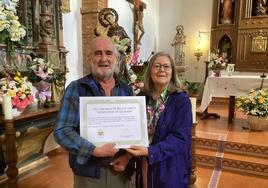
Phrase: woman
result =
(168, 156)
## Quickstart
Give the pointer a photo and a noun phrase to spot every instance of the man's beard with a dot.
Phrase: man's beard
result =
(103, 75)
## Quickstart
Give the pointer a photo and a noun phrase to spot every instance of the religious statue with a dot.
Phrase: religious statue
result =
(261, 8)
(138, 17)
(179, 41)
(108, 18)
(225, 48)
(226, 12)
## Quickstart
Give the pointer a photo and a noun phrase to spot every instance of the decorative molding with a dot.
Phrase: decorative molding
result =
(245, 167)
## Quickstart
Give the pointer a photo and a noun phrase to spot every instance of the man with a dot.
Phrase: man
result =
(93, 166)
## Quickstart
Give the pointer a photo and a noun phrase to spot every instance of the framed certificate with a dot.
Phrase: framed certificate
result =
(114, 119)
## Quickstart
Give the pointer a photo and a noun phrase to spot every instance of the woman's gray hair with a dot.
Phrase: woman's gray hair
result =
(174, 85)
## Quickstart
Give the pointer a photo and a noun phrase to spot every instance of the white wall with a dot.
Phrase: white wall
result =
(194, 15)
(72, 36)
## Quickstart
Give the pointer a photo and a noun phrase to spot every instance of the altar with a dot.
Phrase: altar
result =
(22, 139)
(230, 87)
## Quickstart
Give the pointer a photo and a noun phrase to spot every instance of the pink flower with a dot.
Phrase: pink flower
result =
(135, 57)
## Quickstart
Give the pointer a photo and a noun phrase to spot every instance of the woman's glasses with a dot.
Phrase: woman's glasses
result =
(166, 67)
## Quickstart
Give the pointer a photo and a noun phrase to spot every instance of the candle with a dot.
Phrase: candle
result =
(7, 107)
(208, 55)
(193, 103)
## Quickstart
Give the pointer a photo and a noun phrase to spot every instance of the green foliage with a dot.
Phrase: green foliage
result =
(192, 87)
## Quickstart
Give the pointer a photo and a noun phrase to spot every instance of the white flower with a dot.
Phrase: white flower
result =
(133, 77)
(9, 21)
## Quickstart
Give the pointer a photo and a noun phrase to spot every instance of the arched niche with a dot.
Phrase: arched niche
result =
(225, 47)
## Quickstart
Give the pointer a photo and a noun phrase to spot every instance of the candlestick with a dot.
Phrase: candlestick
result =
(193, 103)
(7, 107)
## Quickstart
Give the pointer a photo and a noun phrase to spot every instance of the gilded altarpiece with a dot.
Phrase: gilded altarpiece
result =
(246, 32)
(22, 139)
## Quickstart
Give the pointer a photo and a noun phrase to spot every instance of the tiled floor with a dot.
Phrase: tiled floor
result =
(58, 174)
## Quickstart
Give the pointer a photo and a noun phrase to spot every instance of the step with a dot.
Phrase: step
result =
(232, 161)
(233, 147)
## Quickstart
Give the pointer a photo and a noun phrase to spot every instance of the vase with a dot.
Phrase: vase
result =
(217, 73)
(257, 123)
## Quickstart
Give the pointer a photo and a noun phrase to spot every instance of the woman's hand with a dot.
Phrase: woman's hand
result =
(138, 150)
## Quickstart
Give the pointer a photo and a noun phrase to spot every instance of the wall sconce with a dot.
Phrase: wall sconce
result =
(201, 44)
(198, 54)
(198, 46)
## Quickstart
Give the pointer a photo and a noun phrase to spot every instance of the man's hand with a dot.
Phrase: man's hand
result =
(120, 163)
(138, 150)
(106, 150)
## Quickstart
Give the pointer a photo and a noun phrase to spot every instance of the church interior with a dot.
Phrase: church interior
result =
(221, 55)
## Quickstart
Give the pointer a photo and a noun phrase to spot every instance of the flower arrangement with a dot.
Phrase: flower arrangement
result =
(40, 70)
(217, 62)
(11, 30)
(18, 88)
(255, 103)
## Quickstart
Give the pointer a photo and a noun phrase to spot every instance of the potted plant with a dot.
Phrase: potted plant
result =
(255, 105)
(192, 88)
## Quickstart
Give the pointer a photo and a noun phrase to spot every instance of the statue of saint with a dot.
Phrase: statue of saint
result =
(178, 42)
(108, 18)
